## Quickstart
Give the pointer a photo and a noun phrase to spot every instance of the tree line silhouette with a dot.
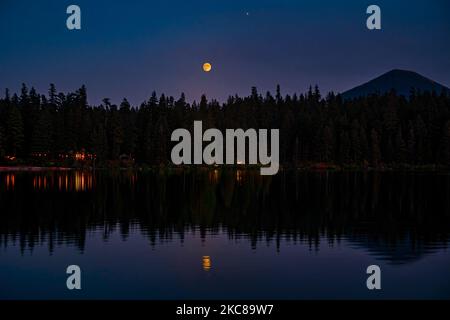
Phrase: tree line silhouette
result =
(373, 131)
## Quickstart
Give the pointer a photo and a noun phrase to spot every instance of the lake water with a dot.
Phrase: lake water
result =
(224, 234)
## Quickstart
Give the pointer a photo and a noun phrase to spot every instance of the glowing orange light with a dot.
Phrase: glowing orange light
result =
(206, 263)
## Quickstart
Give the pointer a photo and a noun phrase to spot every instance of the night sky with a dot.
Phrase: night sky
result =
(130, 48)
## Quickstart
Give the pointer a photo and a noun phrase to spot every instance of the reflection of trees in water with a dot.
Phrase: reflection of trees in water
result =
(372, 210)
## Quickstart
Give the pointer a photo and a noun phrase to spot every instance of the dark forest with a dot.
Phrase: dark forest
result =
(372, 131)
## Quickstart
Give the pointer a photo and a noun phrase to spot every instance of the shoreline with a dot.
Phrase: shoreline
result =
(33, 168)
(303, 168)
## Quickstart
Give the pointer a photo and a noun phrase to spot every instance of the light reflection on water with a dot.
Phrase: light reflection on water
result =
(61, 181)
(10, 180)
(235, 227)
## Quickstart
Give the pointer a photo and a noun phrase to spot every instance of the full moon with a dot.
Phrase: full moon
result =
(207, 67)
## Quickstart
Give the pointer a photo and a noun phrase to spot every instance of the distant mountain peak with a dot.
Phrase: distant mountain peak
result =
(402, 81)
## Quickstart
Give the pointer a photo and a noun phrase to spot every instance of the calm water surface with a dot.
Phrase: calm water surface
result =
(224, 234)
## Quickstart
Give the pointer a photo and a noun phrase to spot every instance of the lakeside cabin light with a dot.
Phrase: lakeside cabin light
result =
(78, 155)
(10, 158)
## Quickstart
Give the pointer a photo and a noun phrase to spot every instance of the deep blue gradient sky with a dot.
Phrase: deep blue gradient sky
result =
(130, 48)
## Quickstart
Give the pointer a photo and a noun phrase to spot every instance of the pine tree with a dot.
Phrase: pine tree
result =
(376, 154)
(115, 133)
(52, 94)
(100, 143)
(28, 120)
(317, 96)
(389, 151)
(328, 144)
(160, 143)
(254, 94)
(2, 142)
(445, 145)
(129, 128)
(180, 113)
(421, 134)
(356, 142)
(411, 144)
(42, 134)
(364, 144)
(401, 150)
(14, 131)
(344, 147)
(278, 96)
(148, 138)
